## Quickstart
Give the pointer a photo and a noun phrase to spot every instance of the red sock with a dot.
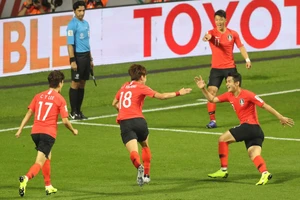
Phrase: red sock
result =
(33, 171)
(260, 164)
(135, 158)
(223, 153)
(211, 109)
(46, 169)
(146, 156)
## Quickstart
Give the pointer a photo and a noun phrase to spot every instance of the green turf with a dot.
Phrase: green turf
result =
(96, 165)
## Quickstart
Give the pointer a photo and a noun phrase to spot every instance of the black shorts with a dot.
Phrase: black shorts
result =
(251, 134)
(83, 61)
(43, 142)
(216, 76)
(135, 128)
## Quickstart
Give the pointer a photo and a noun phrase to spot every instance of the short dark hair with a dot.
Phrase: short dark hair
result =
(221, 13)
(236, 77)
(136, 72)
(55, 77)
(77, 4)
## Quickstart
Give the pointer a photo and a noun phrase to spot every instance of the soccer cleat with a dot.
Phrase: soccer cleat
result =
(219, 174)
(147, 178)
(74, 116)
(23, 183)
(212, 124)
(81, 115)
(140, 176)
(50, 190)
(265, 177)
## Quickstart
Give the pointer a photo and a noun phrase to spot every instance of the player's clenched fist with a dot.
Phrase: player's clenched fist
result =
(207, 37)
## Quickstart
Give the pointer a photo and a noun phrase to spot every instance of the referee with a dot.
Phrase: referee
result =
(78, 36)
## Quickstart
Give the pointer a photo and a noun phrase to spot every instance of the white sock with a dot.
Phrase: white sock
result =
(224, 168)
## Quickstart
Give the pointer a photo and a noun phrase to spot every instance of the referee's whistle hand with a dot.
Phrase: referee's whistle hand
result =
(74, 66)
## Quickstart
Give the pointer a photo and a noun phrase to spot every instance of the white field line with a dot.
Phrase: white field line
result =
(164, 108)
(178, 130)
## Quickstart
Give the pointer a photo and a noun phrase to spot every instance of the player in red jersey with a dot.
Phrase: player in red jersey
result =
(221, 40)
(244, 104)
(46, 106)
(129, 102)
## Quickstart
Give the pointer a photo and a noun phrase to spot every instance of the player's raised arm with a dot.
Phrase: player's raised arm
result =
(283, 120)
(168, 95)
(201, 84)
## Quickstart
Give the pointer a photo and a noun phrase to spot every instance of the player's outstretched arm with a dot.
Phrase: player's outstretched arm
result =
(69, 126)
(201, 85)
(283, 120)
(24, 122)
(207, 37)
(168, 95)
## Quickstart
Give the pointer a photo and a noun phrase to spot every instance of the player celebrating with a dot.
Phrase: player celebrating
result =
(221, 40)
(129, 101)
(46, 106)
(249, 131)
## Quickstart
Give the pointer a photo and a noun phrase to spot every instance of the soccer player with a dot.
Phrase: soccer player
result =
(244, 104)
(129, 101)
(78, 36)
(46, 106)
(221, 40)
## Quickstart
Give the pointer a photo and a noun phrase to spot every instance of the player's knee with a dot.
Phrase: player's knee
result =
(226, 137)
(254, 151)
(212, 90)
(222, 138)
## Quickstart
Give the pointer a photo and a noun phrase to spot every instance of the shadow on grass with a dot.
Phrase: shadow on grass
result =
(174, 184)
(278, 178)
(258, 77)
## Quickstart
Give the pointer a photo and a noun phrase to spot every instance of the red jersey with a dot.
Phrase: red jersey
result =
(244, 105)
(47, 106)
(131, 98)
(221, 45)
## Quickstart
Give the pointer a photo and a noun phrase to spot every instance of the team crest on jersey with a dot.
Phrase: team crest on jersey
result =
(229, 37)
(242, 102)
(81, 36)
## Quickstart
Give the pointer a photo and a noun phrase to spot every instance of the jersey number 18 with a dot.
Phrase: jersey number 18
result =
(125, 99)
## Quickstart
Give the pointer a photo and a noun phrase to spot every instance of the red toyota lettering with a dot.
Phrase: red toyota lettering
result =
(229, 11)
(172, 44)
(275, 28)
(147, 14)
(297, 4)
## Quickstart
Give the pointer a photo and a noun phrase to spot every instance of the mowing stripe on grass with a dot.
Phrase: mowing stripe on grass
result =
(178, 130)
(194, 104)
(164, 108)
